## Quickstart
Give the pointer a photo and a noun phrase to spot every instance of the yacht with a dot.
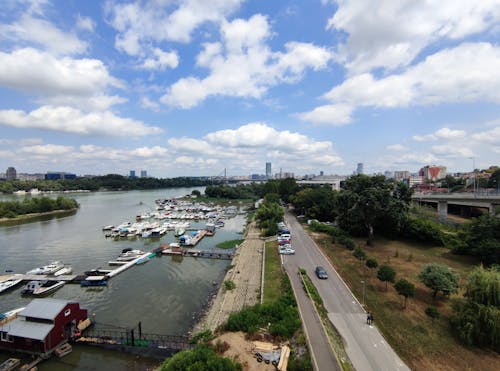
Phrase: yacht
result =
(13, 281)
(47, 287)
(129, 254)
(51, 268)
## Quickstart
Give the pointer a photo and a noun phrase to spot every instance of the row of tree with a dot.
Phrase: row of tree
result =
(109, 182)
(11, 209)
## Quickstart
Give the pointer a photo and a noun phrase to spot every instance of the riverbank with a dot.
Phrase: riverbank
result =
(246, 274)
(26, 218)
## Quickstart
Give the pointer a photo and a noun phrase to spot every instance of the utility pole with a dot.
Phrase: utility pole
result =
(364, 289)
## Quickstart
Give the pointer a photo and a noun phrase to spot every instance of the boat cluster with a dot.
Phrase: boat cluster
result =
(145, 229)
(42, 287)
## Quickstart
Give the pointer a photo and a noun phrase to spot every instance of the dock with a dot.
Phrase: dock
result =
(195, 253)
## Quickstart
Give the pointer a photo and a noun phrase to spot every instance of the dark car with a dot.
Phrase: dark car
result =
(321, 273)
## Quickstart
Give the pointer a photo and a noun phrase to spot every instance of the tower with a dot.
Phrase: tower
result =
(359, 169)
(10, 173)
(268, 170)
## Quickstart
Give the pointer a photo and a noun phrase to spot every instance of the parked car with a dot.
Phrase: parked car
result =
(287, 251)
(321, 273)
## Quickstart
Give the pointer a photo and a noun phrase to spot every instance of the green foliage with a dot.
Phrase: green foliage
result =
(11, 209)
(239, 191)
(423, 230)
(347, 242)
(281, 314)
(268, 216)
(359, 253)
(439, 278)
(202, 337)
(315, 203)
(196, 193)
(229, 285)
(386, 274)
(483, 286)
(481, 238)
(228, 244)
(477, 324)
(432, 312)
(371, 263)
(405, 288)
(201, 358)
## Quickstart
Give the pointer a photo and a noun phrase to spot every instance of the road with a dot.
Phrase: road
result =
(365, 346)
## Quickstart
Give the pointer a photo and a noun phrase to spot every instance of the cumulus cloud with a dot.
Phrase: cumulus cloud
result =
(46, 149)
(464, 74)
(390, 34)
(443, 133)
(396, 147)
(140, 23)
(72, 120)
(160, 60)
(149, 104)
(452, 151)
(333, 114)
(85, 23)
(242, 65)
(42, 33)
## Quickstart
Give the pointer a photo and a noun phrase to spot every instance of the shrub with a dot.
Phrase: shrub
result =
(432, 312)
(371, 263)
(229, 285)
(359, 253)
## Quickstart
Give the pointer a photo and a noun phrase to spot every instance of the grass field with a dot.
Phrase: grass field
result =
(423, 343)
(228, 244)
(272, 273)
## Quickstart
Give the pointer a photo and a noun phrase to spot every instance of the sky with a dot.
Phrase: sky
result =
(196, 87)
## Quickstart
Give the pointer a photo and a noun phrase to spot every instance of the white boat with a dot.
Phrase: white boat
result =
(129, 254)
(10, 313)
(64, 270)
(47, 287)
(47, 269)
(179, 232)
(5, 285)
(108, 227)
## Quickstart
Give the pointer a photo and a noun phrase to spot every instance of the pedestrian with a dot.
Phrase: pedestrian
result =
(368, 318)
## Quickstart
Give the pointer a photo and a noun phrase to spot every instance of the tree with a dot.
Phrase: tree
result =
(371, 263)
(359, 253)
(483, 286)
(438, 278)
(386, 274)
(405, 288)
(202, 357)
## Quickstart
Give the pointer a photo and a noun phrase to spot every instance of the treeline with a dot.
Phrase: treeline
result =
(106, 182)
(12, 209)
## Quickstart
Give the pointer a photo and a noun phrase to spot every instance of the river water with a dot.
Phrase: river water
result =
(166, 294)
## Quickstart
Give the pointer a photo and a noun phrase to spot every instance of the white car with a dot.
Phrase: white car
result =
(287, 251)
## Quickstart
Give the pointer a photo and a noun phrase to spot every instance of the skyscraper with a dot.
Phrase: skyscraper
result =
(144, 174)
(11, 173)
(132, 174)
(359, 169)
(268, 170)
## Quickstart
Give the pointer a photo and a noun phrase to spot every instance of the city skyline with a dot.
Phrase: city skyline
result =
(189, 88)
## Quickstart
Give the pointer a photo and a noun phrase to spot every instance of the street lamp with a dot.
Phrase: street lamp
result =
(473, 174)
(364, 286)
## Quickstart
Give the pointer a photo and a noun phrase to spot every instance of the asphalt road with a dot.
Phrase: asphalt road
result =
(364, 344)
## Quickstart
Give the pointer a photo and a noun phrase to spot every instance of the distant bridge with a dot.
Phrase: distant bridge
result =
(489, 201)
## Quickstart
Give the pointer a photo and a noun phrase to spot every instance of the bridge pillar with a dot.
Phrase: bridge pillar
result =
(493, 208)
(443, 210)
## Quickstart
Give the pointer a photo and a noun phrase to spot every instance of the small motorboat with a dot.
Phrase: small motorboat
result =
(47, 287)
(129, 254)
(10, 313)
(51, 268)
(10, 283)
(94, 281)
(64, 270)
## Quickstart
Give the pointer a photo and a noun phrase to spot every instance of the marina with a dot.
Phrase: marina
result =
(177, 289)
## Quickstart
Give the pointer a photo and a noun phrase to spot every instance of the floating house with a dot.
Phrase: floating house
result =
(41, 326)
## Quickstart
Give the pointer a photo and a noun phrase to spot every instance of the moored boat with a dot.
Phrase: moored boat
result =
(50, 268)
(10, 283)
(47, 287)
(64, 270)
(94, 281)
(129, 254)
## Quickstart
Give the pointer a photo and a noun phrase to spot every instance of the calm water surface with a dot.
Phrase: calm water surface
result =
(165, 294)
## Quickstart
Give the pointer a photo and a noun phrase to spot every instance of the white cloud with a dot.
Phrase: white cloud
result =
(465, 74)
(490, 136)
(85, 23)
(140, 23)
(424, 138)
(71, 120)
(46, 149)
(42, 33)
(161, 60)
(149, 151)
(333, 114)
(396, 148)
(446, 133)
(149, 104)
(242, 65)
(390, 34)
(39, 72)
(452, 151)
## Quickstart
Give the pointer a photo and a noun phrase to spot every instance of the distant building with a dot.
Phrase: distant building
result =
(11, 173)
(268, 170)
(54, 175)
(360, 168)
(144, 174)
(433, 173)
(24, 176)
(415, 181)
(388, 174)
(132, 174)
(401, 175)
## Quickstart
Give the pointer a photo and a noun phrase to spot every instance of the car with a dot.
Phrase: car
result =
(321, 273)
(287, 251)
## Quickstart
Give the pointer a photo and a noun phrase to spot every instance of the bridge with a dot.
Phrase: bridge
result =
(485, 200)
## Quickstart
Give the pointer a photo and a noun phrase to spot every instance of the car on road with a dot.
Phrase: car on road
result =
(321, 273)
(287, 251)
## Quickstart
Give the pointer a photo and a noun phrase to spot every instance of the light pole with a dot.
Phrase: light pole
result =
(473, 174)
(364, 285)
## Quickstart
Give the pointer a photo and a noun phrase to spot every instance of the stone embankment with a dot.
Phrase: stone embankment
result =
(246, 274)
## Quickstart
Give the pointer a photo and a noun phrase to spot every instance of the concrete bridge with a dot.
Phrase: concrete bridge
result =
(489, 201)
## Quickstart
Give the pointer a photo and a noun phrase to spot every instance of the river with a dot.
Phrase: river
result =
(166, 295)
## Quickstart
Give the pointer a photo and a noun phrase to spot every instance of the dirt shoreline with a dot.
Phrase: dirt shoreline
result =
(28, 217)
(246, 273)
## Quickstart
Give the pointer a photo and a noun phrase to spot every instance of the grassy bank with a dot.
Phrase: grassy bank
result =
(423, 343)
(35, 217)
(228, 244)
(272, 273)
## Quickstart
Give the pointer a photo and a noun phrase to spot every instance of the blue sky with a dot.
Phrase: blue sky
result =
(193, 87)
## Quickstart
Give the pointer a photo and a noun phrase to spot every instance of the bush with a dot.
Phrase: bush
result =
(359, 253)
(229, 285)
(432, 312)
(346, 242)
(201, 357)
(371, 263)
(422, 230)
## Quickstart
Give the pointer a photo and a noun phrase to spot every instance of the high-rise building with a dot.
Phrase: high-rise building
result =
(401, 174)
(132, 174)
(144, 174)
(432, 173)
(11, 173)
(268, 170)
(359, 169)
